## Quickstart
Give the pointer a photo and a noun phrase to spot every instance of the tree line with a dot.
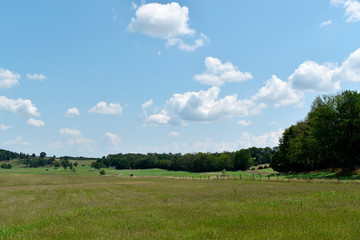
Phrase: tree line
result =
(329, 136)
(193, 162)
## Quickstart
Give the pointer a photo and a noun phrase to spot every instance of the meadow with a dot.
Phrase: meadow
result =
(82, 206)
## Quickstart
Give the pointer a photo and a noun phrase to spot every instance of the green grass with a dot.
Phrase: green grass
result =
(115, 207)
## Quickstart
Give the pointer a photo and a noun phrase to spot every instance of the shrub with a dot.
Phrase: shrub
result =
(265, 166)
(102, 172)
(252, 168)
(6, 166)
(260, 167)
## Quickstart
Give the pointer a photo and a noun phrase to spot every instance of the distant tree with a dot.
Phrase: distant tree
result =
(76, 164)
(65, 162)
(97, 165)
(243, 160)
(42, 155)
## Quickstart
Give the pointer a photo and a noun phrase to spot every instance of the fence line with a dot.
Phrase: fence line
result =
(258, 178)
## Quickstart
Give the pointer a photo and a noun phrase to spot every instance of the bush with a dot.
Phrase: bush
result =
(260, 167)
(252, 168)
(6, 166)
(102, 172)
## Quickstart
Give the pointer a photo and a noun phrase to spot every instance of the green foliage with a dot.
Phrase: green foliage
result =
(102, 172)
(193, 162)
(42, 155)
(329, 137)
(6, 166)
(243, 160)
(97, 165)
(65, 162)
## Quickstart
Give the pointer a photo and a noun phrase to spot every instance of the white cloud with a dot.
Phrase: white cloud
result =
(75, 137)
(147, 104)
(115, 139)
(161, 20)
(187, 47)
(16, 141)
(35, 122)
(4, 127)
(36, 76)
(201, 106)
(313, 77)
(269, 139)
(352, 9)
(8, 79)
(209, 146)
(104, 108)
(278, 93)
(18, 106)
(166, 21)
(218, 73)
(173, 134)
(73, 112)
(134, 5)
(244, 123)
(326, 23)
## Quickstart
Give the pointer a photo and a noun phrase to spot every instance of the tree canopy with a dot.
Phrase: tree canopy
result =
(329, 137)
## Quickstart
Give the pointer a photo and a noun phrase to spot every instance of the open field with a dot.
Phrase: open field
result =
(113, 207)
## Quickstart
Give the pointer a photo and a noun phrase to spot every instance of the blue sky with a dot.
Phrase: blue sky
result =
(92, 78)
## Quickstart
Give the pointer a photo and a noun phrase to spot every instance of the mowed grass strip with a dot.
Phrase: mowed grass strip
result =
(112, 207)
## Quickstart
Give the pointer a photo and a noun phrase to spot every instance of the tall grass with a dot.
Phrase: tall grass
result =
(113, 207)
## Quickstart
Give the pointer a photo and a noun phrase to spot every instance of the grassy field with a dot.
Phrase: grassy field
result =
(115, 207)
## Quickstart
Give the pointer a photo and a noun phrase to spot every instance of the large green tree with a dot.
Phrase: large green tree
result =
(329, 137)
(243, 159)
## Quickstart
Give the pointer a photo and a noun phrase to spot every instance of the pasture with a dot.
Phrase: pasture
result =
(36, 206)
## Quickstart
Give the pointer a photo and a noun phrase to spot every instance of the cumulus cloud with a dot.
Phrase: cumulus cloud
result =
(36, 76)
(35, 122)
(4, 127)
(104, 108)
(161, 20)
(217, 73)
(173, 134)
(326, 23)
(167, 21)
(75, 138)
(278, 93)
(313, 77)
(269, 139)
(244, 123)
(16, 141)
(201, 106)
(73, 112)
(352, 9)
(115, 139)
(18, 106)
(8, 79)
(187, 47)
